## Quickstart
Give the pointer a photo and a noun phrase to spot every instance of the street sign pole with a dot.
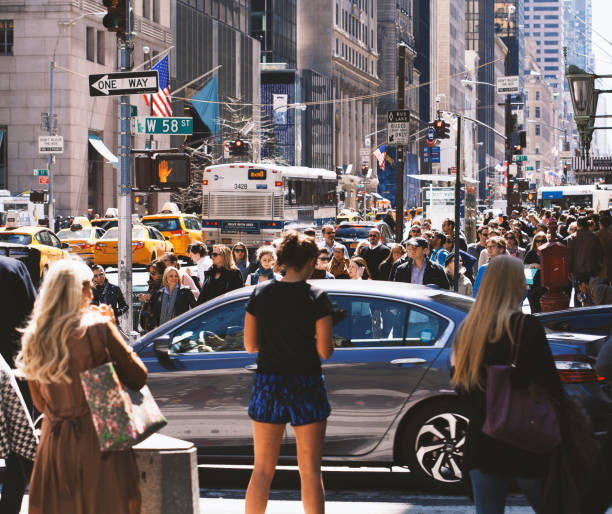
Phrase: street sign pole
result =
(125, 183)
(51, 206)
(457, 204)
(399, 164)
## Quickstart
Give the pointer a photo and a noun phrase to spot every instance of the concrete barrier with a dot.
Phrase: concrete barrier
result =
(168, 476)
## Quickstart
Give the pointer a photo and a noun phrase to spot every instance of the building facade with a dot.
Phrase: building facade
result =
(338, 40)
(274, 25)
(71, 35)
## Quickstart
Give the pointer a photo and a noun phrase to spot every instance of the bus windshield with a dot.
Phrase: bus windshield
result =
(20, 239)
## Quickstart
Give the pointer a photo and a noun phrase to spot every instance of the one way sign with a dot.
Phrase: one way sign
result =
(123, 83)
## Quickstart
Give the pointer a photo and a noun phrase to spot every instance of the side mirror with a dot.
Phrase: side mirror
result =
(65, 245)
(161, 346)
(167, 238)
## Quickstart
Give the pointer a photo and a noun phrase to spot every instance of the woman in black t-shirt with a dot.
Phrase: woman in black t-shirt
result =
(289, 323)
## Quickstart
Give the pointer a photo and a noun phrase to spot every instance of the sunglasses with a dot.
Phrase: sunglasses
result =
(373, 235)
(484, 234)
(323, 258)
(215, 254)
(414, 230)
(540, 240)
(153, 272)
(491, 246)
(329, 233)
(96, 275)
(238, 250)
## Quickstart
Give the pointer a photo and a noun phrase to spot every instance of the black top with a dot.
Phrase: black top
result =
(184, 301)
(535, 365)
(532, 257)
(212, 287)
(433, 274)
(373, 258)
(286, 313)
(110, 294)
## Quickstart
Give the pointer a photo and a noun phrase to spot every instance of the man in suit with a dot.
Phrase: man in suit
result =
(419, 269)
(374, 253)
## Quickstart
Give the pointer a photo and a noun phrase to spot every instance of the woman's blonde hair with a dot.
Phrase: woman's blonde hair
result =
(499, 297)
(226, 255)
(57, 314)
(165, 277)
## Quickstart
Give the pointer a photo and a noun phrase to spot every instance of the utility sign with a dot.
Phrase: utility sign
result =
(398, 127)
(508, 85)
(50, 144)
(41, 173)
(129, 83)
(431, 136)
(157, 125)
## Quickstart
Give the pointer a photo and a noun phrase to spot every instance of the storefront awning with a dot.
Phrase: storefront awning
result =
(443, 178)
(102, 149)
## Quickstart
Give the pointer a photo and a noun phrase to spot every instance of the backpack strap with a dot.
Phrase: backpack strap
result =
(517, 334)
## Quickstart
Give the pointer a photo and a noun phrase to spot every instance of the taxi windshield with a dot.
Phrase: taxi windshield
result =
(112, 233)
(354, 231)
(163, 224)
(65, 235)
(20, 239)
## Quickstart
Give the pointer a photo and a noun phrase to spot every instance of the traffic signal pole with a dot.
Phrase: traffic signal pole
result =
(509, 183)
(124, 47)
(399, 165)
(457, 203)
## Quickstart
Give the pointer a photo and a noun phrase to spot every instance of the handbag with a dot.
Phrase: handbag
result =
(523, 417)
(122, 417)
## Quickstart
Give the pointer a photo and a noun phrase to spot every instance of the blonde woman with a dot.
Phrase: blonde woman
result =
(222, 276)
(487, 337)
(65, 336)
(172, 299)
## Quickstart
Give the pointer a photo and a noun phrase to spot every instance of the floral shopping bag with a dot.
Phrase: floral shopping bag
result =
(121, 416)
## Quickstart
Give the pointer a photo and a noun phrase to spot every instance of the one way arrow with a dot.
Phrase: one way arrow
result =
(123, 83)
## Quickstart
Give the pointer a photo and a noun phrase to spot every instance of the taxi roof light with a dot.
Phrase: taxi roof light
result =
(170, 208)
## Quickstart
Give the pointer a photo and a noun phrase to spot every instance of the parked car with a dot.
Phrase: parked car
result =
(147, 245)
(82, 240)
(388, 380)
(350, 234)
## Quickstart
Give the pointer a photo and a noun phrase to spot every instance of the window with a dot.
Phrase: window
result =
(156, 11)
(337, 46)
(6, 37)
(551, 59)
(146, 9)
(219, 330)
(537, 96)
(336, 15)
(537, 129)
(90, 44)
(537, 112)
(536, 25)
(538, 165)
(380, 322)
(101, 45)
(3, 157)
(551, 68)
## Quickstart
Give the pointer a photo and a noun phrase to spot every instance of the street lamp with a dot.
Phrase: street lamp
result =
(582, 86)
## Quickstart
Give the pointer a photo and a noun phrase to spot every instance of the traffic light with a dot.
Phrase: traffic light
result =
(517, 150)
(116, 18)
(364, 169)
(523, 138)
(37, 196)
(238, 147)
(171, 171)
(442, 129)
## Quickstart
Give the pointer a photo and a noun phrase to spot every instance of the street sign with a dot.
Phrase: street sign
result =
(41, 173)
(129, 83)
(435, 154)
(50, 144)
(43, 180)
(508, 85)
(529, 168)
(398, 127)
(367, 142)
(364, 153)
(566, 155)
(158, 125)
(513, 170)
(426, 154)
(519, 158)
(431, 136)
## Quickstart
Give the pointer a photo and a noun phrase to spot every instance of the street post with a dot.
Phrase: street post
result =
(50, 207)
(457, 204)
(399, 165)
(509, 184)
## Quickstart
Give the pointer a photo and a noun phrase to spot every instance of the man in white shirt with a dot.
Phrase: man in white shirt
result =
(329, 240)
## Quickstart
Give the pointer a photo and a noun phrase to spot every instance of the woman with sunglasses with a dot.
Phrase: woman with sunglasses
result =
(512, 245)
(156, 272)
(320, 269)
(532, 261)
(241, 259)
(223, 276)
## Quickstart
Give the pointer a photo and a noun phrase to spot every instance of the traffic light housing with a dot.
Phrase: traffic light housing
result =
(115, 20)
(517, 150)
(239, 147)
(442, 129)
(171, 171)
(364, 169)
(523, 138)
(37, 196)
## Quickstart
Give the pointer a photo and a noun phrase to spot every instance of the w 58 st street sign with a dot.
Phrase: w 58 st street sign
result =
(128, 83)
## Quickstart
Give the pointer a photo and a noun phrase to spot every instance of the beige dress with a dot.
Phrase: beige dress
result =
(71, 474)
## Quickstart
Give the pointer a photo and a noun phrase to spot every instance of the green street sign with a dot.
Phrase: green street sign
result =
(157, 125)
(41, 173)
(133, 111)
(529, 168)
(519, 158)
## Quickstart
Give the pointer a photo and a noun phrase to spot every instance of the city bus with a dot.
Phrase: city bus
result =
(589, 195)
(253, 203)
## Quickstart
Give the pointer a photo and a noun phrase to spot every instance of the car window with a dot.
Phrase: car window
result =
(163, 224)
(99, 232)
(43, 238)
(218, 330)
(380, 322)
(192, 224)
(53, 240)
(65, 235)
(113, 233)
(20, 239)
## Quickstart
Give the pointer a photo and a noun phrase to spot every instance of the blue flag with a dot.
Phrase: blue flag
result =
(208, 108)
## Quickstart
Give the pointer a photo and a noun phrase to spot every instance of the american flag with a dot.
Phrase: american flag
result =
(379, 153)
(162, 103)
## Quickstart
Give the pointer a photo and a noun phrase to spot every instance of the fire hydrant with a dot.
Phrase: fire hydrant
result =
(553, 272)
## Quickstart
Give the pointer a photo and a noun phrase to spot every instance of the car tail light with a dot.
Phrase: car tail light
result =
(278, 184)
(137, 246)
(576, 369)
(179, 232)
(99, 246)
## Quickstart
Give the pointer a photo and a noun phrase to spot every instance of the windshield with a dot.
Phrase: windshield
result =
(353, 231)
(105, 224)
(64, 235)
(163, 224)
(138, 234)
(20, 239)
(463, 303)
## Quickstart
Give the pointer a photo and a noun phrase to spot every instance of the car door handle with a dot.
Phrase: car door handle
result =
(407, 362)
(251, 367)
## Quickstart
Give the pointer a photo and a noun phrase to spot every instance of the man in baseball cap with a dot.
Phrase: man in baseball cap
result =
(419, 269)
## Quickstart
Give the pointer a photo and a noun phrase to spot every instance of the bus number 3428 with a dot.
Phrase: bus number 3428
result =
(240, 186)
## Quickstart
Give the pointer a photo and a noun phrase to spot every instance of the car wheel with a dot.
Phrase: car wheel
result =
(432, 445)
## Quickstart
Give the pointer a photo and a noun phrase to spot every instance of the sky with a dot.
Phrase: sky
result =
(602, 49)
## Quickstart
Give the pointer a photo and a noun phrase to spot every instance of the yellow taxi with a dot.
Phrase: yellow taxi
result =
(349, 216)
(50, 247)
(147, 244)
(82, 239)
(181, 229)
(104, 223)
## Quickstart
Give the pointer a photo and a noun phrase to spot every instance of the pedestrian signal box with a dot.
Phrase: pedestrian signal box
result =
(171, 171)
